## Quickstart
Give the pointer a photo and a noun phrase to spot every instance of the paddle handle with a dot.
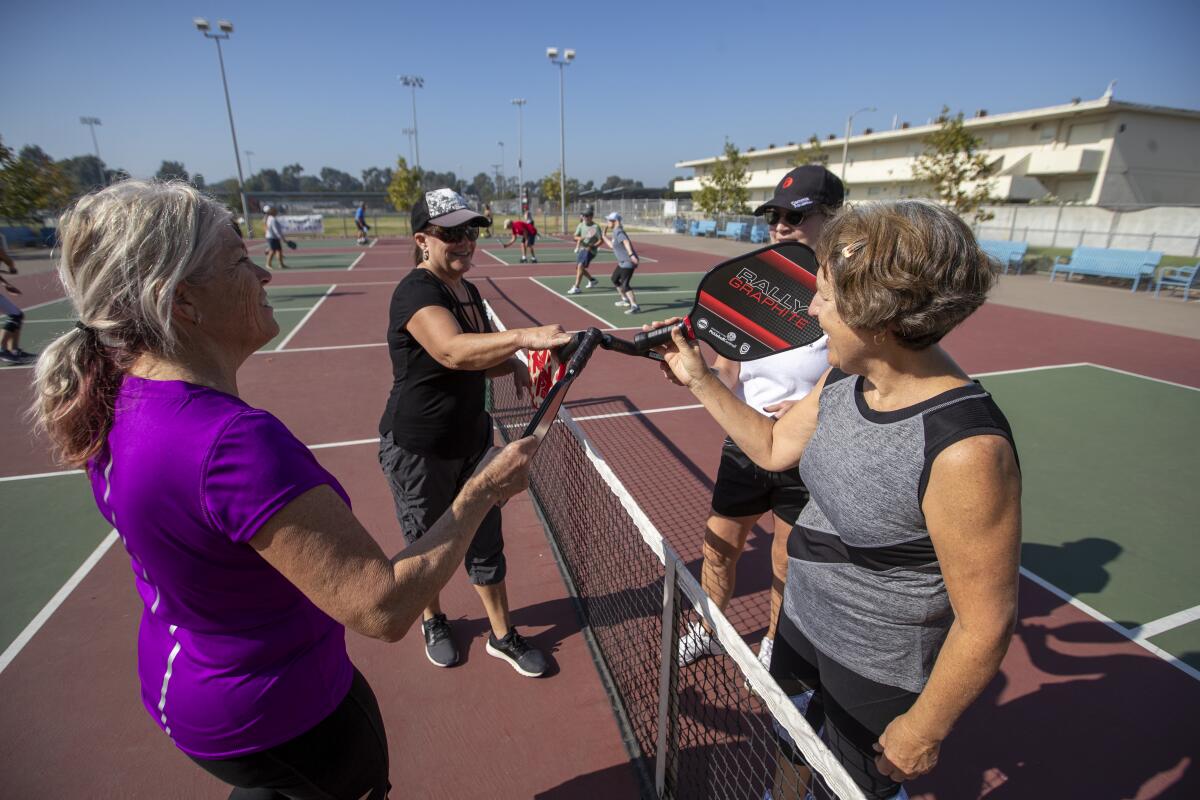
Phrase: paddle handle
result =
(645, 342)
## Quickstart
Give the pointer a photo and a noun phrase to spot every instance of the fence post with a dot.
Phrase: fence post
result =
(1112, 227)
(1152, 235)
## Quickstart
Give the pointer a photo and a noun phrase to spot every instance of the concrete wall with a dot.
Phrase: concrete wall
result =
(1175, 230)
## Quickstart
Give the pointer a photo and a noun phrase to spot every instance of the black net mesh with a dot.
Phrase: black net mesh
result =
(721, 741)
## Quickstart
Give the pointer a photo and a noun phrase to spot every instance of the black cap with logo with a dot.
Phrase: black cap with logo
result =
(805, 187)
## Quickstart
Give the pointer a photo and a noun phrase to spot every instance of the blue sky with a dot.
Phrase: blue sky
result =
(654, 82)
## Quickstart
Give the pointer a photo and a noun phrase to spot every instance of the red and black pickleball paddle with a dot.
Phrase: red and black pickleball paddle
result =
(752, 306)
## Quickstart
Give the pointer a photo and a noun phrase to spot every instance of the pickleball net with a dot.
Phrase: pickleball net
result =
(711, 729)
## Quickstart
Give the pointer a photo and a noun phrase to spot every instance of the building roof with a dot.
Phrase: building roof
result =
(1105, 103)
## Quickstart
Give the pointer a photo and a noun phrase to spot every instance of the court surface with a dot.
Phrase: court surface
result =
(1099, 695)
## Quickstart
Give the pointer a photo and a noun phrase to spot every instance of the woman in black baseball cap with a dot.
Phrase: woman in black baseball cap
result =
(803, 202)
(434, 430)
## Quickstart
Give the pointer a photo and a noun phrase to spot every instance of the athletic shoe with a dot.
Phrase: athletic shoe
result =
(522, 259)
(593, 282)
(573, 290)
(9, 358)
(696, 644)
(622, 303)
(520, 654)
(764, 651)
(23, 356)
(633, 309)
(439, 644)
(534, 260)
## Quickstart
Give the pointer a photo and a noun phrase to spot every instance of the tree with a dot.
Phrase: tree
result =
(405, 187)
(334, 180)
(483, 187)
(86, 172)
(955, 169)
(289, 178)
(375, 179)
(813, 153)
(723, 191)
(31, 183)
(172, 170)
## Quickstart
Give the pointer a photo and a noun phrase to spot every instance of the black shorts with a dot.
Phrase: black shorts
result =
(12, 321)
(423, 487)
(621, 277)
(849, 711)
(530, 239)
(344, 755)
(275, 245)
(745, 489)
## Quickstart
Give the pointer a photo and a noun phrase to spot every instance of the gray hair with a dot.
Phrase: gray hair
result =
(124, 251)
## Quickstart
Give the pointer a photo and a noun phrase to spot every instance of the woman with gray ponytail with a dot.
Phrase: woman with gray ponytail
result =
(245, 552)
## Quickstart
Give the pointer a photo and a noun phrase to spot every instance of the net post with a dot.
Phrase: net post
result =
(666, 677)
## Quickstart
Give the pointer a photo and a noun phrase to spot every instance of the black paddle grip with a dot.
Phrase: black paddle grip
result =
(645, 342)
(582, 345)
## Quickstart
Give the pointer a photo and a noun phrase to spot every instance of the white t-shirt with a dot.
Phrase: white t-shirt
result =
(783, 376)
(274, 229)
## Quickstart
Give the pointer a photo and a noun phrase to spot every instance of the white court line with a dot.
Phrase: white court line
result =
(354, 263)
(499, 260)
(349, 443)
(639, 413)
(1116, 626)
(42, 475)
(57, 600)
(1144, 377)
(320, 348)
(1026, 369)
(27, 309)
(607, 325)
(1164, 624)
(374, 242)
(300, 324)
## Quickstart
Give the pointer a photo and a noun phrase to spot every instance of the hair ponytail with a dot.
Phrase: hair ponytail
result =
(125, 249)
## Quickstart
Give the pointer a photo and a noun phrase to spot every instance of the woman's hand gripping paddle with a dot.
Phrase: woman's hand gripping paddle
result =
(751, 306)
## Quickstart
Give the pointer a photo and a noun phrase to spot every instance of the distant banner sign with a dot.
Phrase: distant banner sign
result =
(309, 223)
(670, 208)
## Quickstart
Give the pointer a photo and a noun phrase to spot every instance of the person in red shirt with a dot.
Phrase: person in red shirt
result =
(528, 235)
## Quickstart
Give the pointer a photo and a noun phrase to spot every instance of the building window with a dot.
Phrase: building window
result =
(876, 152)
(1046, 133)
(999, 138)
(874, 190)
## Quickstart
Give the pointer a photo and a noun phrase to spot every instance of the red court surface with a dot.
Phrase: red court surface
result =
(1078, 710)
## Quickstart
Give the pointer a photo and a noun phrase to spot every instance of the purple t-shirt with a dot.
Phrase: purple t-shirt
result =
(232, 657)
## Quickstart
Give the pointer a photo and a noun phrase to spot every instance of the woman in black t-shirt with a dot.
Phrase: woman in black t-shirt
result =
(435, 431)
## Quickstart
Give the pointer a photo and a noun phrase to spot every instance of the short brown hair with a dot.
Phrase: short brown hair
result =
(911, 267)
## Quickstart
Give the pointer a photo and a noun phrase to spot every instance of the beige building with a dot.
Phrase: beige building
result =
(1097, 152)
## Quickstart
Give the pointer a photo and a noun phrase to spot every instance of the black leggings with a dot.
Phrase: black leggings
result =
(344, 756)
(853, 710)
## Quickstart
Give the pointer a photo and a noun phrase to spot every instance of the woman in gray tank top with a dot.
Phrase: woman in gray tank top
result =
(902, 572)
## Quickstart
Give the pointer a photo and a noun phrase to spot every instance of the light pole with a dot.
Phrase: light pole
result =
(520, 104)
(249, 163)
(496, 170)
(500, 174)
(410, 133)
(567, 57)
(226, 28)
(846, 140)
(414, 82)
(92, 122)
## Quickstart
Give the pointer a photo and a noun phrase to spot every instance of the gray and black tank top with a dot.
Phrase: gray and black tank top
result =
(863, 583)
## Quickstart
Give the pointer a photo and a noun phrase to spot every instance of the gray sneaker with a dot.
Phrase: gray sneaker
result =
(439, 644)
(520, 654)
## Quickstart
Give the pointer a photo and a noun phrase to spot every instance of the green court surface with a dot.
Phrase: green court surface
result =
(1109, 462)
(46, 322)
(51, 526)
(660, 295)
(546, 254)
(316, 244)
(300, 261)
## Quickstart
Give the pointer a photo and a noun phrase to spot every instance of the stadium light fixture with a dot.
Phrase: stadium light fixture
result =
(568, 57)
(846, 140)
(92, 122)
(226, 28)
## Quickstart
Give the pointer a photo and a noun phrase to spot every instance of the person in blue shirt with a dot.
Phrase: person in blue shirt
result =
(360, 222)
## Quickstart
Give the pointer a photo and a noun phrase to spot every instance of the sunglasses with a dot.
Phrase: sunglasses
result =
(458, 233)
(793, 218)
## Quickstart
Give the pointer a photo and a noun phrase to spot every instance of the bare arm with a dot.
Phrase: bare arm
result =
(317, 543)
(439, 333)
(973, 510)
(771, 444)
